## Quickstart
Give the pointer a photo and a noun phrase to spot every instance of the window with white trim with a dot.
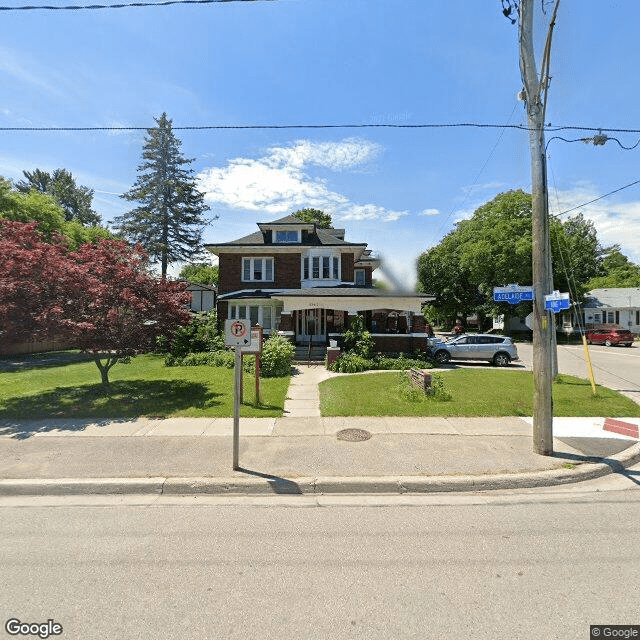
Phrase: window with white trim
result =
(257, 269)
(267, 316)
(321, 267)
(290, 236)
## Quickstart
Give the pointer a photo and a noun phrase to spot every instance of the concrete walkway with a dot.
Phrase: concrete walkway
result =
(303, 397)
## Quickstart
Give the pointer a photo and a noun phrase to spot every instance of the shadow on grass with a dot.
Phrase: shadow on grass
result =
(80, 406)
(26, 362)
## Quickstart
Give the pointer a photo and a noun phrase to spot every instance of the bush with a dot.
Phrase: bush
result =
(357, 339)
(275, 359)
(200, 335)
(351, 363)
(409, 392)
(222, 358)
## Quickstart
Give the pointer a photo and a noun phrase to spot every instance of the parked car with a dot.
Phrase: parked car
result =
(499, 350)
(610, 336)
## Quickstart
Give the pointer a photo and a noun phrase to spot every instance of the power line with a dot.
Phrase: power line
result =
(164, 3)
(606, 195)
(440, 125)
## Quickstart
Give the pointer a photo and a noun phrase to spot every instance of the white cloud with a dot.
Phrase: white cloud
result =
(429, 212)
(280, 181)
(615, 222)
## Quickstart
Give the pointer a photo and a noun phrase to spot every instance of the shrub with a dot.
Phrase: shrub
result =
(222, 358)
(351, 363)
(411, 393)
(200, 335)
(275, 359)
(357, 339)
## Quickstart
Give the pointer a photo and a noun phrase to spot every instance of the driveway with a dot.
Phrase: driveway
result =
(615, 367)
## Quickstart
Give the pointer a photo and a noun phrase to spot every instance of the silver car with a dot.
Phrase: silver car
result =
(499, 350)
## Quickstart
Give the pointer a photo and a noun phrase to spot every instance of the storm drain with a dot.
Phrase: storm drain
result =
(353, 435)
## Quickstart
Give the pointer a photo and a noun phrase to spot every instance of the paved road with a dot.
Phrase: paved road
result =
(614, 367)
(525, 565)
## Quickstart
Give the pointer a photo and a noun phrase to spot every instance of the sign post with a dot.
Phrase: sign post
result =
(236, 333)
(255, 347)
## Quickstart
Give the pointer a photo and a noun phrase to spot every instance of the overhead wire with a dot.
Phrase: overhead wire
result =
(163, 3)
(436, 125)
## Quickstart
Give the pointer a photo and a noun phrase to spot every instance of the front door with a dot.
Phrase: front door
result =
(311, 325)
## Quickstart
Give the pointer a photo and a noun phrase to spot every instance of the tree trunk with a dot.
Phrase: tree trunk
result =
(104, 368)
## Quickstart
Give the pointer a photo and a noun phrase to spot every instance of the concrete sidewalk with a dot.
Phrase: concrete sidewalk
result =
(301, 452)
(303, 455)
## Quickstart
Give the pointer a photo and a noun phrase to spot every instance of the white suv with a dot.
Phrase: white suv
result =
(499, 350)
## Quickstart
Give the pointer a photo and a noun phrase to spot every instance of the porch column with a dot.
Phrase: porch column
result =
(418, 324)
(286, 321)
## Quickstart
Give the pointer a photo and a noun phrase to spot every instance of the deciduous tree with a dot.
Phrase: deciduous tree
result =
(76, 200)
(100, 295)
(322, 219)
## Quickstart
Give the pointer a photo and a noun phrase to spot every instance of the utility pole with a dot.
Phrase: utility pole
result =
(535, 90)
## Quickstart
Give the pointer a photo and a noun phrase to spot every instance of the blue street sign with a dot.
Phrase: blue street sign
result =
(556, 301)
(513, 294)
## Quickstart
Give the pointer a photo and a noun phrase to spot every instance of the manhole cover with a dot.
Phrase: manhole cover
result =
(353, 435)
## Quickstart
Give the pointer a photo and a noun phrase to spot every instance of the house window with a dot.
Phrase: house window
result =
(610, 317)
(266, 316)
(257, 269)
(325, 267)
(287, 236)
(637, 317)
(321, 268)
(359, 277)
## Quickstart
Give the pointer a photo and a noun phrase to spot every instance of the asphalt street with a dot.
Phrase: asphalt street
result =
(544, 564)
(615, 367)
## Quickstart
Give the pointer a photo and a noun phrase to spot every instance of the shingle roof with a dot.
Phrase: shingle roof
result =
(617, 298)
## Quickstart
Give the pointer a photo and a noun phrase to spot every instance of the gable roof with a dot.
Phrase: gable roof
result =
(616, 297)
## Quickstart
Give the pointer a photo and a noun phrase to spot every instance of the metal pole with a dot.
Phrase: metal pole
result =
(237, 395)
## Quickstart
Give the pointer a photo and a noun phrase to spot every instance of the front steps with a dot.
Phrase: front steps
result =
(318, 353)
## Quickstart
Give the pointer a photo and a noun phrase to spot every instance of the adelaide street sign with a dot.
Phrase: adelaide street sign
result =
(512, 293)
(556, 301)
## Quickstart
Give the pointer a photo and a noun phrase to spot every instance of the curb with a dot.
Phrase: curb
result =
(317, 486)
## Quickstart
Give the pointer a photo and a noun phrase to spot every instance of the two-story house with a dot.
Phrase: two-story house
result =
(305, 282)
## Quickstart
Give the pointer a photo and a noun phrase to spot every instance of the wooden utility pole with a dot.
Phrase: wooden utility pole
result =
(535, 96)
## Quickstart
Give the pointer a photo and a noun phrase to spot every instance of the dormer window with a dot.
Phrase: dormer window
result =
(290, 236)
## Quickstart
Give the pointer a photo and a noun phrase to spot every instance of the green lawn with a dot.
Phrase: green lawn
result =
(66, 385)
(475, 392)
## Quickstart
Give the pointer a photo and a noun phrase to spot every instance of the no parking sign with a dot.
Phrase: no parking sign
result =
(236, 333)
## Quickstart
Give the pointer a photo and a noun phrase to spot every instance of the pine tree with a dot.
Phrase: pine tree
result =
(169, 221)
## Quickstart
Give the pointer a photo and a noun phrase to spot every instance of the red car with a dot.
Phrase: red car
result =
(610, 337)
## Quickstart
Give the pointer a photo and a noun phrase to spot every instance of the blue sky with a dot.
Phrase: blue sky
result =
(328, 62)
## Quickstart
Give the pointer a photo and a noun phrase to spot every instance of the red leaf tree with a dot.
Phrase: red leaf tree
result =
(100, 295)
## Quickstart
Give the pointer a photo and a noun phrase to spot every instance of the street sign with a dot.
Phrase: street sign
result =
(236, 333)
(529, 321)
(513, 294)
(255, 344)
(556, 301)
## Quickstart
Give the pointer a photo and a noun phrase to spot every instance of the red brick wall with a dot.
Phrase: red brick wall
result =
(286, 272)
(347, 267)
(399, 343)
(288, 267)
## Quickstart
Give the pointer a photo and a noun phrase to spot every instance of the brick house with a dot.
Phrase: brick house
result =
(305, 282)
